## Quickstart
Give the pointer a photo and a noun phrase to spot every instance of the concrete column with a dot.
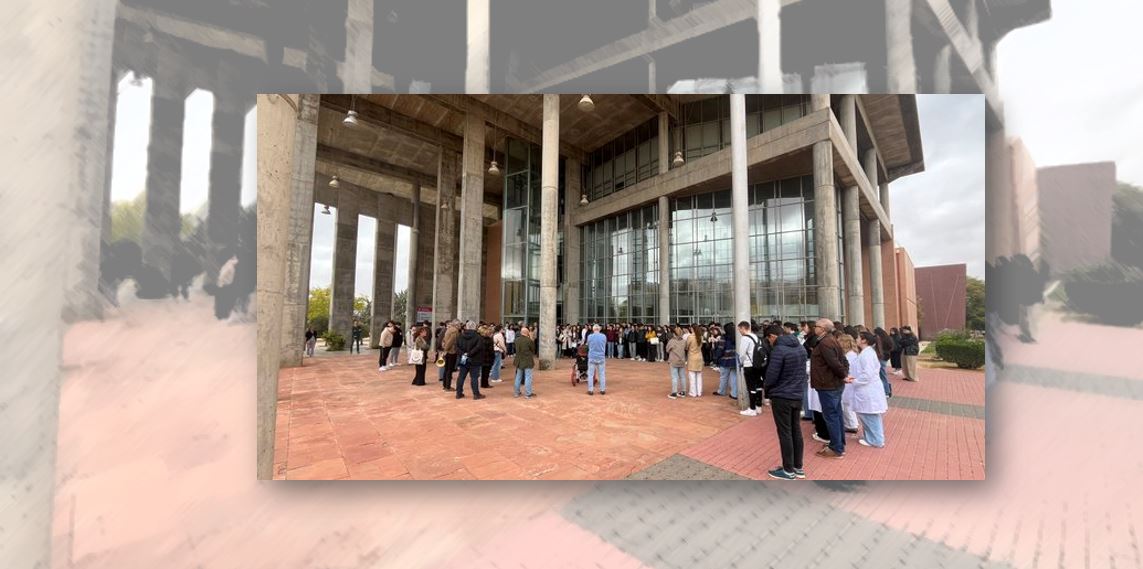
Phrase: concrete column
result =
(383, 271)
(664, 142)
(825, 232)
(224, 203)
(344, 263)
(770, 46)
(902, 67)
(972, 20)
(884, 197)
(818, 102)
(740, 220)
(573, 187)
(876, 282)
(849, 120)
(869, 162)
(162, 222)
(444, 248)
(471, 218)
(651, 86)
(414, 237)
(476, 78)
(299, 225)
(357, 71)
(851, 220)
(942, 70)
(549, 186)
(664, 259)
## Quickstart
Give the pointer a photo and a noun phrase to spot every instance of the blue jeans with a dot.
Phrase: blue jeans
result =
(495, 373)
(593, 367)
(610, 349)
(473, 372)
(885, 379)
(872, 429)
(728, 377)
(831, 411)
(678, 379)
(524, 375)
(619, 346)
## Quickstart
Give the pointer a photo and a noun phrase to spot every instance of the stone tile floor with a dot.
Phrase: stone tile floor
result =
(339, 418)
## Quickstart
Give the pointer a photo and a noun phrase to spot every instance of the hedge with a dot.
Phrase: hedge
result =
(966, 354)
(334, 342)
(1111, 292)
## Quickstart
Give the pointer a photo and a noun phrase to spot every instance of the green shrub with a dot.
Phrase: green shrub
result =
(966, 354)
(1111, 292)
(948, 334)
(334, 342)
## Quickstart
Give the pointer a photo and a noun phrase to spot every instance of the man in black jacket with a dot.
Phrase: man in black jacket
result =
(469, 348)
(785, 384)
(828, 371)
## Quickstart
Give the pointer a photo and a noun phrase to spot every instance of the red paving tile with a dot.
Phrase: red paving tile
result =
(1055, 348)
(343, 418)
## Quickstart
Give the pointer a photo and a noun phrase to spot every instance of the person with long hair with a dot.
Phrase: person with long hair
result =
(868, 396)
(676, 363)
(695, 362)
(420, 343)
(884, 348)
(910, 348)
(849, 418)
(727, 361)
(895, 350)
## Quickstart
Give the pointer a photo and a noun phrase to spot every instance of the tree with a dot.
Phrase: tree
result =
(400, 304)
(974, 303)
(318, 313)
(1127, 225)
(363, 311)
(127, 219)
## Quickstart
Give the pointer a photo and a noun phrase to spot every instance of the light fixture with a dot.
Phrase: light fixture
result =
(136, 79)
(334, 183)
(583, 199)
(621, 250)
(586, 104)
(325, 210)
(351, 116)
(678, 161)
(714, 217)
(494, 169)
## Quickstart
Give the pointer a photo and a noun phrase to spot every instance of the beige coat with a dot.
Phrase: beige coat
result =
(694, 353)
(387, 337)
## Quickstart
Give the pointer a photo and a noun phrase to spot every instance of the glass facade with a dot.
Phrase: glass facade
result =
(520, 261)
(620, 271)
(704, 125)
(622, 162)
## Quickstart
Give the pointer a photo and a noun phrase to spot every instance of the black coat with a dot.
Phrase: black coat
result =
(909, 344)
(786, 370)
(469, 342)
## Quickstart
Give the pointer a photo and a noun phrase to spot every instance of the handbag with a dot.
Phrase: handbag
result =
(417, 357)
(654, 341)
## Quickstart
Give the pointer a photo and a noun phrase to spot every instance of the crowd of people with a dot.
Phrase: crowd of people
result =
(824, 372)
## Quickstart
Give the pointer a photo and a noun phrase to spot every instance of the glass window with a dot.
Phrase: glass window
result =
(771, 119)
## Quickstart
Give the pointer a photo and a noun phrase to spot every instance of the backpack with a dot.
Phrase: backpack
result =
(759, 354)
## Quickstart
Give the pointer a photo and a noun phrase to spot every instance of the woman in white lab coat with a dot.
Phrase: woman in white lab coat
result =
(868, 400)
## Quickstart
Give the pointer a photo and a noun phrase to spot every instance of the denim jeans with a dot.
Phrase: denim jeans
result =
(619, 347)
(610, 350)
(728, 377)
(496, 360)
(885, 379)
(831, 412)
(593, 367)
(872, 429)
(524, 375)
(678, 379)
(473, 372)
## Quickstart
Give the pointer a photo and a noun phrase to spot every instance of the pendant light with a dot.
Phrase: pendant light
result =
(586, 104)
(583, 199)
(494, 169)
(351, 116)
(334, 183)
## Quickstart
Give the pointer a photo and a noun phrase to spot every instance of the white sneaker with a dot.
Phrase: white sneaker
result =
(382, 368)
(748, 412)
(766, 402)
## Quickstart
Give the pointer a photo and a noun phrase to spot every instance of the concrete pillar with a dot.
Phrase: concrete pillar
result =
(573, 187)
(825, 232)
(849, 120)
(344, 263)
(278, 125)
(651, 85)
(549, 188)
(383, 270)
(471, 218)
(476, 76)
(902, 67)
(884, 197)
(818, 102)
(876, 282)
(770, 46)
(444, 247)
(357, 71)
(972, 20)
(942, 70)
(664, 142)
(299, 225)
(161, 221)
(740, 222)
(414, 237)
(869, 162)
(851, 221)
(224, 202)
(664, 259)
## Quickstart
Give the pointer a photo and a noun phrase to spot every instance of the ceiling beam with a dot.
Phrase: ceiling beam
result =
(359, 162)
(383, 117)
(503, 121)
(659, 103)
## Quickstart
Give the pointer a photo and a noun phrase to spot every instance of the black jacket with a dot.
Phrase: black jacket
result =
(786, 370)
(809, 344)
(469, 342)
(487, 350)
(909, 345)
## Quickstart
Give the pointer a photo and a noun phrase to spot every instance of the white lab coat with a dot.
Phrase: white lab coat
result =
(866, 393)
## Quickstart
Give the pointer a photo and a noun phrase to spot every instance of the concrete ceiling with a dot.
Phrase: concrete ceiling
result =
(894, 120)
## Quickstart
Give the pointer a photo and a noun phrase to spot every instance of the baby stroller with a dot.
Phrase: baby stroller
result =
(579, 370)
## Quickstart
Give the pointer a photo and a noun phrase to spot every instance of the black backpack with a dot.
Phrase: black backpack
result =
(759, 354)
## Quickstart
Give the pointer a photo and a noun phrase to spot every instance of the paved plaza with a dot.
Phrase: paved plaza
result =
(339, 418)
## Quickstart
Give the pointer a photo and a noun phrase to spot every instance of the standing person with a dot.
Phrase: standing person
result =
(499, 348)
(868, 396)
(596, 344)
(676, 363)
(848, 416)
(448, 345)
(785, 383)
(355, 338)
(640, 343)
(910, 348)
(386, 346)
(884, 348)
(398, 341)
(652, 343)
(828, 370)
(419, 344)
(631, 338)
(525, 352)
(895, 352)
(809, 340)
(469, 349)
(727, 361)
(715, 344)
(695, 361)
(610, 334)
(487, 354)
(620, 340)
(705, 346)
(748, 351)
(510, 340)
(311, 341)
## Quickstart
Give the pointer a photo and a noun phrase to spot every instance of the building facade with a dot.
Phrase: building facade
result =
(942, 296)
